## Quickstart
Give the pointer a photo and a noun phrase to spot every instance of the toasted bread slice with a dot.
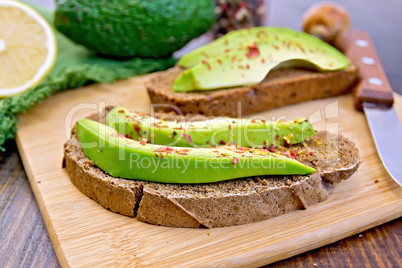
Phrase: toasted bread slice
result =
(227, 203)
(280, 87)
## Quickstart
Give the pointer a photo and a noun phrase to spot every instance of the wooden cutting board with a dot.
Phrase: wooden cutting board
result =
(86, 235)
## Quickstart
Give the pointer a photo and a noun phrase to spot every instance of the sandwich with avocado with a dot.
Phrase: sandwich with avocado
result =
(261, 68)
(174, 170)
(209, 173)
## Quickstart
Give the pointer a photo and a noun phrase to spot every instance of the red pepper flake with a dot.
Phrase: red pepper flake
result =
(222, 142)
(261, 32)
(206, 63)
(292, 154)
(234, 58)
(311, 153)
(156, 154)
(143, 141)
(271, 148)
(187, 137)
(235, 160)
(300, 47)
(227, 50)
(263, 60)
(137, 127)
(120, 111)
(230, 127)
(253, 121)
(161, 149)
(219, 61)
(276, 47)
(253, 51)
(247, 67)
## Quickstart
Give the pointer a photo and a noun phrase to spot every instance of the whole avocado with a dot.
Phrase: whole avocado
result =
(129, 28)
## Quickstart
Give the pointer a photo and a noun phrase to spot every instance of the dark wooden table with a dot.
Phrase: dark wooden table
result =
(24, 241)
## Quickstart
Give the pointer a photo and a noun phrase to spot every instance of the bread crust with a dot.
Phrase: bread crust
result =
(118, 195)
(227, 203)
(253, 199)
(242, 201)
(280, 87)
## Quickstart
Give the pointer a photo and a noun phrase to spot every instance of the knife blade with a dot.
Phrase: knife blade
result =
(373, 94)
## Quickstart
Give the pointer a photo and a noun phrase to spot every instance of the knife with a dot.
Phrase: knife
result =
(373, 94)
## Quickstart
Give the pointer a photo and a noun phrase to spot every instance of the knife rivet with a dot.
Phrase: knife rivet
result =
(368, 60)
(362, 43)
(375, 81)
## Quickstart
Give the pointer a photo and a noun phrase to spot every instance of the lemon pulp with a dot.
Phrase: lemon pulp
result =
(27, 48)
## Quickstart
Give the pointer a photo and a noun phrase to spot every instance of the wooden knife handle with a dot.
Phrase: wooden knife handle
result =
(374, 86)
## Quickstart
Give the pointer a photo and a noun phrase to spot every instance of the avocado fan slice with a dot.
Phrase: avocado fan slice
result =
(244, 57)
(208, 133)
(130, 159)
(234, 40)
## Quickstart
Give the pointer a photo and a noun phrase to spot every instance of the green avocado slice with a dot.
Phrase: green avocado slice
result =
(245, 57)
(130, 159)
(208, 133)
(234, 40)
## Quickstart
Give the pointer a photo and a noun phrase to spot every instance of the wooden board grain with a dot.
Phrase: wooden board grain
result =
(86, 235)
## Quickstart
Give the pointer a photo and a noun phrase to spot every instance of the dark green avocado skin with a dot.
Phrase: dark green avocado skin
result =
(129, 28)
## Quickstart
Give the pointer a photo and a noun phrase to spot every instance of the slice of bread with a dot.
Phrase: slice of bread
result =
(227, 203)
(280, 87)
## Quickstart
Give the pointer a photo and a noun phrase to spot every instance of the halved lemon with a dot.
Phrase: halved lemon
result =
(27, 48)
